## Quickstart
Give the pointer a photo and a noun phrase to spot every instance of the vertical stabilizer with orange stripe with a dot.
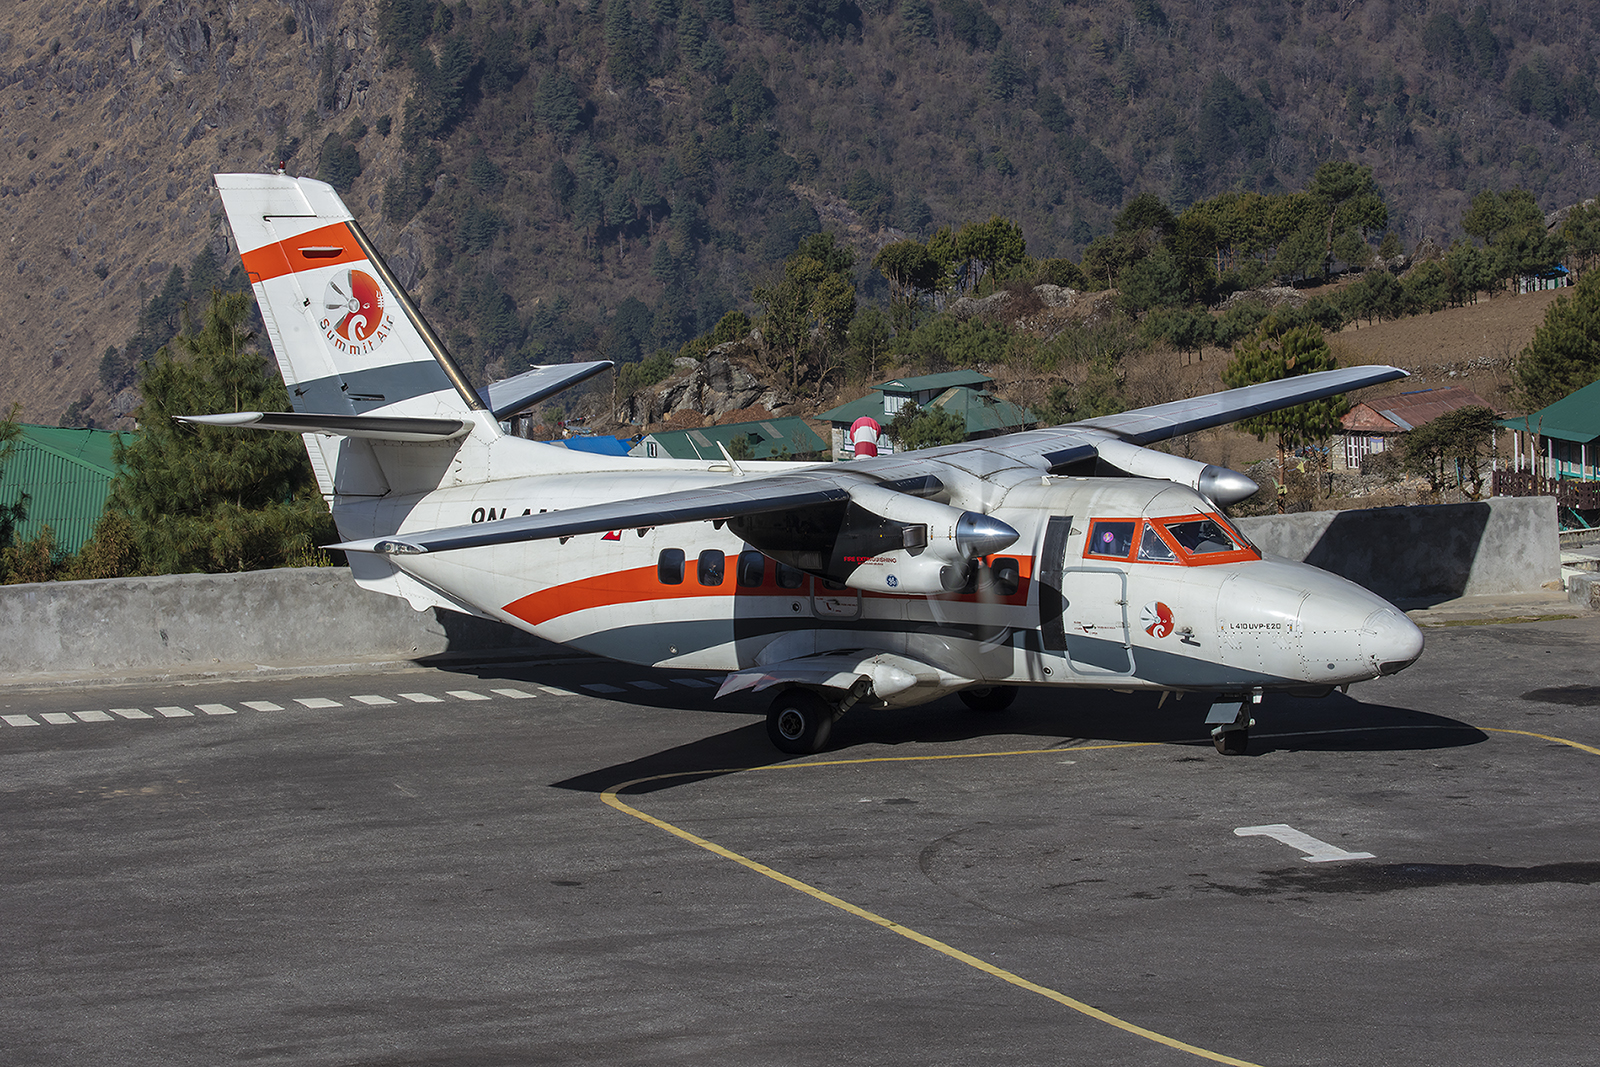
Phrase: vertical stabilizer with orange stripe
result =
(349, 340)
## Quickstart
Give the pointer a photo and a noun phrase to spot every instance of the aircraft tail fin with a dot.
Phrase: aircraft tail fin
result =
(350, 342)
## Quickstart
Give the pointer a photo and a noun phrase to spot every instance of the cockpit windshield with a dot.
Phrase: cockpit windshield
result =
(1183, 540)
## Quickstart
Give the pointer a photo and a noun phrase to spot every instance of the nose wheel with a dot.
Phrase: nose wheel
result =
(1231, 740)
(1230, 721)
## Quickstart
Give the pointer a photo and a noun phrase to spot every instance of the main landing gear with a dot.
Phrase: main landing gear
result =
(799, 721)
(988, 699)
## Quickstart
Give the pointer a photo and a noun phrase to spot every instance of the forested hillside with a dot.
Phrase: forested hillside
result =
(612, 177)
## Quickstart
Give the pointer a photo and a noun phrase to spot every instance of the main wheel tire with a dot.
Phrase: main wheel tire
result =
(988, 699)
(1232, 742)
(799, 722)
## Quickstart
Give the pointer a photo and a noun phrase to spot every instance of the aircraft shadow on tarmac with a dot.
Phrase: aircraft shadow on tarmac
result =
(1332, 724)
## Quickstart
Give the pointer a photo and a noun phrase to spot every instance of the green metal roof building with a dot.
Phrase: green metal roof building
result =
(768, 439)
(1562, 440)
(66, 474)
(958, 392)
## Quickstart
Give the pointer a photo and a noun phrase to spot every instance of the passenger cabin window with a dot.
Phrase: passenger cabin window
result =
(1154, 550)
(710, 568)
(669, 566)
(1112, 538)
(789, 577)
(752, 566)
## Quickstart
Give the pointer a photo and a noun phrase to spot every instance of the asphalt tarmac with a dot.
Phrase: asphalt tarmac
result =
(436, 867)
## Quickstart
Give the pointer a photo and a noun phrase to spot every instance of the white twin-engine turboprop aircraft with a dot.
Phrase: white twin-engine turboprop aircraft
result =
(1071, 557)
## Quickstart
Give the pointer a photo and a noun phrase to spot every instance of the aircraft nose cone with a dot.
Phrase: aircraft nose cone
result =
(1396, 642)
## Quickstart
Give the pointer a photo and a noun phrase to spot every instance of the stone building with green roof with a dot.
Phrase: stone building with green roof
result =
(960, 392)
(787, 438)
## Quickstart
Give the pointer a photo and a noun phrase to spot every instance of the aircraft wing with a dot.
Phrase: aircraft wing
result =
(919, 473)
(753, 496)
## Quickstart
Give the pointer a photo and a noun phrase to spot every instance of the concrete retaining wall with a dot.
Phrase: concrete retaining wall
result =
(193, 621)
(1503, 545)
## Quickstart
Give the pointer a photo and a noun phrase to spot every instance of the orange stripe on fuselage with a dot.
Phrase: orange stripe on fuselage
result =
(638, 585)
(285, 257)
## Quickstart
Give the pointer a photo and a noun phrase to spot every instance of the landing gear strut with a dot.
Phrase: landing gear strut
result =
(799, 722)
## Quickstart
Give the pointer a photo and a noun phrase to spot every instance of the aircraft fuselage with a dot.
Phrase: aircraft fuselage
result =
(1099, 590)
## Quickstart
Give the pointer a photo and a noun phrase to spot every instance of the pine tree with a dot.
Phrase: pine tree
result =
(1564, 354)
(208, 498)
(1271, 354)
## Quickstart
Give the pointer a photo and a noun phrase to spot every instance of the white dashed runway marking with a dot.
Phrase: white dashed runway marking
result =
(371, 700)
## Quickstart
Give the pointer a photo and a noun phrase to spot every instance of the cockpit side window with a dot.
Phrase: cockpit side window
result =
(1111, 538)
(1152, 549)
(1202, 536)
(1207, 539)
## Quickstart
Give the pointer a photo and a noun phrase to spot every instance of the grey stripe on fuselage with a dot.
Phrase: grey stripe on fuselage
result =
(1166, 670)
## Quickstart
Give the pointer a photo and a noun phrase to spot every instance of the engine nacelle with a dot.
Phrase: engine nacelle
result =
(937, 544)
(1216, 483)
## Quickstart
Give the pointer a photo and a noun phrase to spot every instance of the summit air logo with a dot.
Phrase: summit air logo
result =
(354, 319)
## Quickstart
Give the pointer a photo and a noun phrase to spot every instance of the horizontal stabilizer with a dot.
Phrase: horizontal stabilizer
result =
(375, 427)
(510, 395)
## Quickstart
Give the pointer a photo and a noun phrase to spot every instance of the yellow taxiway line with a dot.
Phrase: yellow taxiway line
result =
(611, 798)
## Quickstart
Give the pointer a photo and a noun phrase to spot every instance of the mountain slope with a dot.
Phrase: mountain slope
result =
(610, 177)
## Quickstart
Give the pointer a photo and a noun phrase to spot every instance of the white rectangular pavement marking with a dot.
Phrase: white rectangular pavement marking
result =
(1315, 851)
(18, 720)
(175, 713)
(553, 691)
(369, 698)
(216, 709)
(514, 694)
(57, 718)
(423, 698)
(601, 687)
(647, 685)
(93, 716)
(130, 713)
(318, 702)
(262, 705)
(465, 694)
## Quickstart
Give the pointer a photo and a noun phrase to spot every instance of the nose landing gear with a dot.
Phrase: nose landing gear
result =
(1230, 721)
